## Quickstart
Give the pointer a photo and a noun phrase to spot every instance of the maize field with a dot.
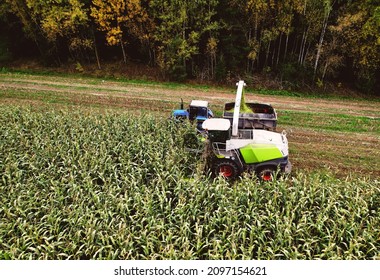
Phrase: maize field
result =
(79, 184)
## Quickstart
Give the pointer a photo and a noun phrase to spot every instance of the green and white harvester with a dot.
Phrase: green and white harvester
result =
(244, 140)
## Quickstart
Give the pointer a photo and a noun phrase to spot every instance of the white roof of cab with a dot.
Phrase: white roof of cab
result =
(216, 124)
(199, 103)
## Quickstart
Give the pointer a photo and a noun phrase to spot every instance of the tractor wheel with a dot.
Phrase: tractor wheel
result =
(266, 174)
(227, 169)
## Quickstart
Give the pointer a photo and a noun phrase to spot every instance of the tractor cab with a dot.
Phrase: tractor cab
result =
(198, 111)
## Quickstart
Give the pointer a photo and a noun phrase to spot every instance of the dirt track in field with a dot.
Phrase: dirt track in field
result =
(341, 153)
(156, 92)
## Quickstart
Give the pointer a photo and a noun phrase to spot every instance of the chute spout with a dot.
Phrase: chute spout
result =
(235, 122)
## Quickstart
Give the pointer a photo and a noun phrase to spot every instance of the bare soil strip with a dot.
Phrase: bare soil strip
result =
(156, 92)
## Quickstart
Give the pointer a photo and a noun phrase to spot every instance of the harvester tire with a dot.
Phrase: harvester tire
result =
(228, 169)
(266, 174)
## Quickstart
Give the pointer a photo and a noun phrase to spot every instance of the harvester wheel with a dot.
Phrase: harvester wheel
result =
(266, 174)
(227, 169)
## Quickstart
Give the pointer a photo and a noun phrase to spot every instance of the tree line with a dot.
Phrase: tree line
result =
(298, 41)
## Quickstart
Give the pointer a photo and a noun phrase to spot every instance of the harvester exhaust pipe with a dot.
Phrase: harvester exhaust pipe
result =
(181, 104)
(235, 122)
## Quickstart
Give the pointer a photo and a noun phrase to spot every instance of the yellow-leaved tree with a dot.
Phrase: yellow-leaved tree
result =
(55, 21)
(359, 32)
(120, 19)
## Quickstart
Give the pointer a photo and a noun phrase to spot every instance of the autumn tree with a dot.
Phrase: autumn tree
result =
(253, 15)
(267, 26)
(358, 29)
(30, 25)
(300, 42)
(51, 22)
(327, 8)
(120, 19)
(4, 40)
(180, 25)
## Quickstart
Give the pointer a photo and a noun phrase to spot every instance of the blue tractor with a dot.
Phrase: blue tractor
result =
(198, 111)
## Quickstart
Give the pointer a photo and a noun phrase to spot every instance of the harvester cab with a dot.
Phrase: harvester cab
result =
(238, 148)
(198, 111)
